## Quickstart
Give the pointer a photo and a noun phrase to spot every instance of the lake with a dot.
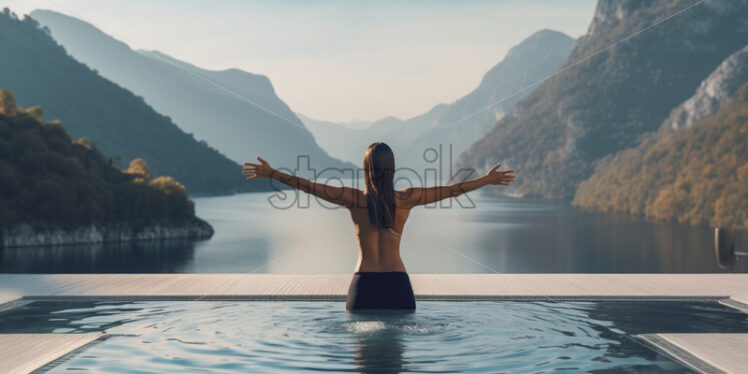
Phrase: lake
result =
(498, 234)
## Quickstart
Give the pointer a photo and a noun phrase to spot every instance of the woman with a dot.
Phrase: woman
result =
(379, 214)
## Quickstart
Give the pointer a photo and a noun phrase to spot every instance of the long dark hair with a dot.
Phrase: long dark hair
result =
(379, 174)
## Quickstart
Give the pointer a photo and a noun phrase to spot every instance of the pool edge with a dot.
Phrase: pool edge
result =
(690, 360)
(341, 298)
(28, 353)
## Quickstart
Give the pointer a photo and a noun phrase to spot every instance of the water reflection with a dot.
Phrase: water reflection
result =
(165, 256)
(650, 317)
(539, 236)
(503, 234)
(379, 348)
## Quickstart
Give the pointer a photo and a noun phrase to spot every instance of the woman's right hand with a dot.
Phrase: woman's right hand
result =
(261, 170)
(497, 177)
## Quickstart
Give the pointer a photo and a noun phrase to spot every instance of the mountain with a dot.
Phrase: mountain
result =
(713, 92)
(697, 174)
(465, 121)
(620, 82)
(121, 125)
(59, 191)
(234, 111)
(348, 141)
(353, 125)
(502, 87)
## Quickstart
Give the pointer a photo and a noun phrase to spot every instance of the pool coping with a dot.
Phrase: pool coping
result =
(7, 299)
(338, 298)
(703, 352)
(51, 364)
(735, 304)
(335, 286)
(45, 349)
(688, 359)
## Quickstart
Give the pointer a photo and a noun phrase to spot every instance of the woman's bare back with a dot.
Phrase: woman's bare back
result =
(379, 249)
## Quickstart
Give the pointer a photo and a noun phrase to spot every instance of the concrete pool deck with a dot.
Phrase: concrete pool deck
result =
(335, 286)
(709, 349)
(24, 353)
(6, 297)
(706, 353)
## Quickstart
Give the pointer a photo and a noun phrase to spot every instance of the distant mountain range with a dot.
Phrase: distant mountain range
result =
(628, 79)
(353, 125)
(463, 122)
(645, 113)
(347, 142)
(232, 110)
(121, 125)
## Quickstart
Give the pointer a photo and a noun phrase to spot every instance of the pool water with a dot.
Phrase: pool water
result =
(441, 337)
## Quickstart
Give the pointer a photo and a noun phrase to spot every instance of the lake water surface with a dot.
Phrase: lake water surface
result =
(500, 234)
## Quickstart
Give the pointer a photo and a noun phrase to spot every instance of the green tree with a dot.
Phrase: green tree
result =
(49, 180)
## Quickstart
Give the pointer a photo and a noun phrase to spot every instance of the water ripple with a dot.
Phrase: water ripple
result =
(441, 337)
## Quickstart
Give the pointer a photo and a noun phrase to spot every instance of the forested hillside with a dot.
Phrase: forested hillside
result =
(697, 174)
(625, 84)
(121, 125)
(233, 110)
(49, 180)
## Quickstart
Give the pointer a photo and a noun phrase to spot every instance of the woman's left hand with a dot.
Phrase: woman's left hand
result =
(499, 177)
(261, 170)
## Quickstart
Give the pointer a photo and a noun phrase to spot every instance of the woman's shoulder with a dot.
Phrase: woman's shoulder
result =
(403, 193)
(406, 197)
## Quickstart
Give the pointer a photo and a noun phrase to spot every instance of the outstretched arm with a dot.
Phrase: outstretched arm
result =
(426, 195)
(344, 196)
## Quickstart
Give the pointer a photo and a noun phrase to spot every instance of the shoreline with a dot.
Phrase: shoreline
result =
(25, 235)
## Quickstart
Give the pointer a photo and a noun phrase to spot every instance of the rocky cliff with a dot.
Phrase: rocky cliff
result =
(713, 92)
(637, 62)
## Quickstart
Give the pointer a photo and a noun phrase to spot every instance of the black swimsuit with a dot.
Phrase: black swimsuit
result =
(385, 290)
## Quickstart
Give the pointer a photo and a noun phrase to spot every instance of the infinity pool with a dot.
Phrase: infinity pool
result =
(441, 337)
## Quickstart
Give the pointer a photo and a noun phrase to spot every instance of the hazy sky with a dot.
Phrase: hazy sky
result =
(335, 60)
